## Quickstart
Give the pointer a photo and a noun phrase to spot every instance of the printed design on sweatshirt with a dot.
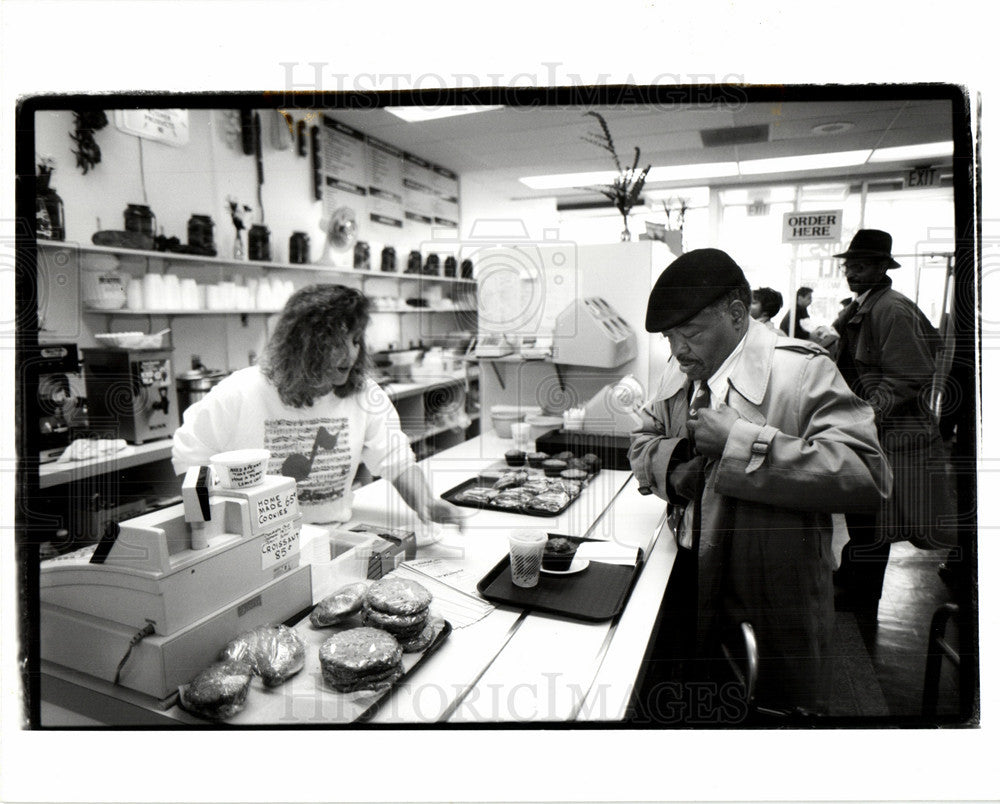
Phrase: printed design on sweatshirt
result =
(315, 452)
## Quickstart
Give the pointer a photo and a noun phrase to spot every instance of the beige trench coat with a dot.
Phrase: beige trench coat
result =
(805, 447)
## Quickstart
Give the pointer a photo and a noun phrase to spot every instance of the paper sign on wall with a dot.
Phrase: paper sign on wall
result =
(812, 227)
(168, 126)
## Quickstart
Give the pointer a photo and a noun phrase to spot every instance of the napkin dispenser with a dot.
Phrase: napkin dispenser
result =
(154, 601)
(590, 332)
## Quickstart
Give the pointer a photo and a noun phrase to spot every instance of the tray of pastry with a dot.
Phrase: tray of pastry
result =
(339, 665)
(594, 586)
(545, 487)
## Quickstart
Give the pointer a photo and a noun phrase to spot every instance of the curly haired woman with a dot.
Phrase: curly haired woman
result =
(313, 405)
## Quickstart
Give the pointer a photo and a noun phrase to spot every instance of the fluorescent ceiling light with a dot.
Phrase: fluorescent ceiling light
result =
(709, 170)
(418, 114)
(925, 150)
(560, 180)
(782, 164)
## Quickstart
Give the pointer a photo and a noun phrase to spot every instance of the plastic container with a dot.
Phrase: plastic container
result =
(241, 468)
(541, 424)
(503, 416)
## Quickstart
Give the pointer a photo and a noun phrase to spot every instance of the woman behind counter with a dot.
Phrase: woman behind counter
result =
(313, 405)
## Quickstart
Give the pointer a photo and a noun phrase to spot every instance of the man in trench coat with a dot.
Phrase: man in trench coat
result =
(751, 479)
(887, 353)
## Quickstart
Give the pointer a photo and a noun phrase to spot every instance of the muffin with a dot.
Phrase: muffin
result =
(515, 457)
(535, 459)
(576, 463)
(592, 462)
(558, 554)
(573, 474)
(553, 467)
(564, 456)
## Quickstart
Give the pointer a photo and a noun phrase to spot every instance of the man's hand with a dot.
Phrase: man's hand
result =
(709, 429)
(685, 478)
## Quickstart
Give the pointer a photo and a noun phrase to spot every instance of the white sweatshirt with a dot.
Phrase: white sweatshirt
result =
(320, 445)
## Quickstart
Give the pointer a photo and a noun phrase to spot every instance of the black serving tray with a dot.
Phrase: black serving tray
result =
(452, 495)
(596, 594)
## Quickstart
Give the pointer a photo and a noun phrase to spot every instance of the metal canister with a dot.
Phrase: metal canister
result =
(450, 266)
(362, 256)
(432, 267)
(260, 243)
(388, 260)
(466, 269)
(140, 218)
(298, 248)
(193, 386)
(413, 263)
(200, 232)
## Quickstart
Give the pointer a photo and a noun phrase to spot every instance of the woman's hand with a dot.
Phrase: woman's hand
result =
(444, 514)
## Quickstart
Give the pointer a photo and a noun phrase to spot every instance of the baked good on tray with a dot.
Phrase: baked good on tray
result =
(514, 457)
(426, 636)
(219, 691)
(360, 658)
(273, 652)
(535, 459)
(402, 626)
(553, 466)
(339, 606)
(398, 596)
(559, 552)
(550, 501)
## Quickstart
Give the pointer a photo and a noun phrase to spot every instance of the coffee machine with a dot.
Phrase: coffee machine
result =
(132, 391)
(57, 406)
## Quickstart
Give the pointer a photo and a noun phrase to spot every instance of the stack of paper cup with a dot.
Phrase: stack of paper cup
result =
(134, 299)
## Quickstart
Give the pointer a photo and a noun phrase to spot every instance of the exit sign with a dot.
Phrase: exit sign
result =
(924, 177)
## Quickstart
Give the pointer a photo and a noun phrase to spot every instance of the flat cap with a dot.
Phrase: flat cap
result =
(689, 284)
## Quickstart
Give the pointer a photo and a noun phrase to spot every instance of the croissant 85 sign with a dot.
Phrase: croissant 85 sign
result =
(812, 227)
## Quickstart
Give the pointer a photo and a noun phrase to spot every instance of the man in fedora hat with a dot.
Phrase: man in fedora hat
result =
(887, 354)
(753, 439)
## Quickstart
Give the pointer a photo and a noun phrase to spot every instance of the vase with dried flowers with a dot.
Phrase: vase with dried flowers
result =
(237, 211)
(624, 191)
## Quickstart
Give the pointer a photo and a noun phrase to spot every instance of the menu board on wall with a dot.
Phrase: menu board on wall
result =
(407, 200)
(343, 165)
(385, 183)
(446, 197)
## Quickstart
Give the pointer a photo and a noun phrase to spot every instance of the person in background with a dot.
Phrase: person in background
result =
(312, 404)
(803, 298)
(753, 439)
(765, 306)
(887, 354)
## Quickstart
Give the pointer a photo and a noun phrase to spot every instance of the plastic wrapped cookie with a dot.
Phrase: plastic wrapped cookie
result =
(340, 606)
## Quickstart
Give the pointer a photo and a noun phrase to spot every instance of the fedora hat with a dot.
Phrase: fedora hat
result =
(689, 284)
(871, 243)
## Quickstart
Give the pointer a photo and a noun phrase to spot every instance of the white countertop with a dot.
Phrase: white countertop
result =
(511, 666)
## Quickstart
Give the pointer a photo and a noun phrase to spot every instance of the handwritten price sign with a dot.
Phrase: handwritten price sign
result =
(279, 544)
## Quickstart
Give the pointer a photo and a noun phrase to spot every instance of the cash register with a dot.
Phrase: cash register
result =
(154, 601)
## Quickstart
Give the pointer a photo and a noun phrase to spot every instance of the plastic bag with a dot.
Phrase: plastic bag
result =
(219, 691)
(275, 653)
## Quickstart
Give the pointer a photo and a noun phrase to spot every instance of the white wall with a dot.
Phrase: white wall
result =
(197, 178)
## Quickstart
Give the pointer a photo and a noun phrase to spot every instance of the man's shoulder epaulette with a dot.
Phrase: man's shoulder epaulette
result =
(801, 347)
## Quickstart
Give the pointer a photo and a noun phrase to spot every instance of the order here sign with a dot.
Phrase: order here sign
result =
(811, 227)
